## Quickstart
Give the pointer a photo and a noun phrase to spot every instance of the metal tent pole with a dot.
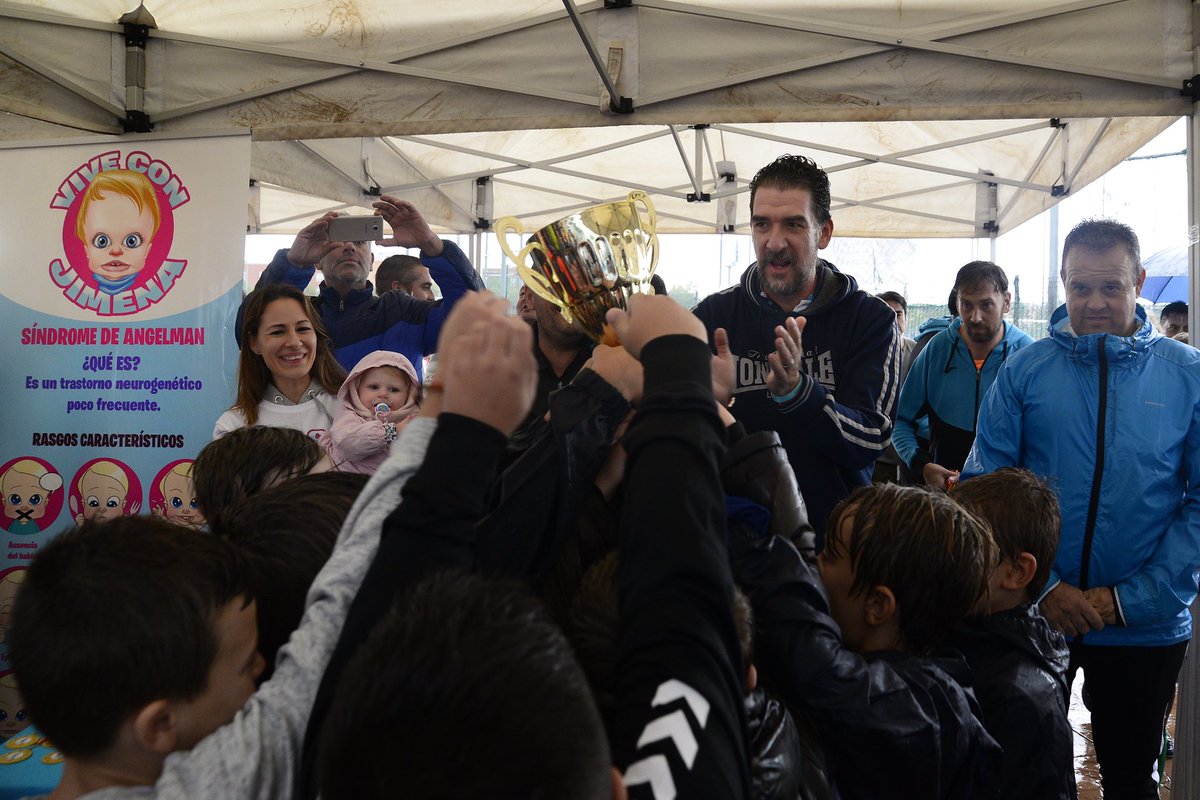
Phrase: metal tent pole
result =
(1185, 777)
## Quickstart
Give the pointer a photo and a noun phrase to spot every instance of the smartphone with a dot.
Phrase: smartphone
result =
(356, 229)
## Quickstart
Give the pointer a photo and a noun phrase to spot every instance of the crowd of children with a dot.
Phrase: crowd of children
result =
(438, 629)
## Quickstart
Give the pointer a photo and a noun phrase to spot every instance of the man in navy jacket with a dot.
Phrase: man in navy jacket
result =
(359, 322)
(818, 359)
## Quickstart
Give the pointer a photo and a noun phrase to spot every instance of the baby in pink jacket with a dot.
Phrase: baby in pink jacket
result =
(380, 395)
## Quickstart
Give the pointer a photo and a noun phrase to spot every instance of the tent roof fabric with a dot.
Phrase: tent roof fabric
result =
(933, 119)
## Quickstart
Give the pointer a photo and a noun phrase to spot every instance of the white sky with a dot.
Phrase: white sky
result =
(1150, 194)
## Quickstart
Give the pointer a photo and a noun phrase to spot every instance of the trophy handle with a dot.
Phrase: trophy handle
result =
(651, 223)
(649, 226)
(652, 246)
(509, 225)
(536, 281)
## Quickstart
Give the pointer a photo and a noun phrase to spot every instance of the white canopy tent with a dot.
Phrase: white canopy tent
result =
(935, 118)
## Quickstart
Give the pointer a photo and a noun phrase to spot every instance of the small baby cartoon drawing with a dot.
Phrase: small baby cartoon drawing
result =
(13, 718)
(118, 218)
(179, 503)
(103, 489)
(28, 487)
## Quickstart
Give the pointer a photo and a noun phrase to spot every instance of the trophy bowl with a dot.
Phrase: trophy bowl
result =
(591, 261)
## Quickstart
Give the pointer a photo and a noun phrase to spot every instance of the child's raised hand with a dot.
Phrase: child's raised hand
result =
(621, 370)
(488, 372)
(650, 317)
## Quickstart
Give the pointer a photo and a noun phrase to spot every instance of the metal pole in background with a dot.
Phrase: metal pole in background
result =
(1185, 777)
(1052, 279)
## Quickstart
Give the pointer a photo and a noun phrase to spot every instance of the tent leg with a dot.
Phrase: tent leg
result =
(1185, 777)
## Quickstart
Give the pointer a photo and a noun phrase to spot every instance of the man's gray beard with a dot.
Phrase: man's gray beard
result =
(333, 278)
(783, 287)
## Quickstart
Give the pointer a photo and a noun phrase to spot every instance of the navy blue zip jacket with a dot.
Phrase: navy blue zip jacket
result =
(362, 323)
(838, 422)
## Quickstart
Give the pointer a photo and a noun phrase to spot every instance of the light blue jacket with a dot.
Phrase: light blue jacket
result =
(944, 388)
(1131, 498)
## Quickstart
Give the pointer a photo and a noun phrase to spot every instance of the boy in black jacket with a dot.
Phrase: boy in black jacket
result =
(466, 690)
(1018, 660)
(901, 567)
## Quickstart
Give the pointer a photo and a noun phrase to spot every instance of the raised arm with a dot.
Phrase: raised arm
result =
(489, 380)
(296, 265)
(679, 717)
(449, 267)
(256, 755)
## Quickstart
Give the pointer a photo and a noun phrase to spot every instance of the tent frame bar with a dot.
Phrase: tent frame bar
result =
(884, 41)
(617, 102)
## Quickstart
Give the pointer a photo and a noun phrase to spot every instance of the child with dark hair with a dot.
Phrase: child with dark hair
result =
(678, 651)
(1018, 660)
(245, 461)
(856, 649)
(784, 763)
(462, 691)
(594, 628)
(280, 558)
(137, 643)
(165, 659)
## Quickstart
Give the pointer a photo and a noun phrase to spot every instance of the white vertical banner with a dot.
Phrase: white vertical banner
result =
(121, 265)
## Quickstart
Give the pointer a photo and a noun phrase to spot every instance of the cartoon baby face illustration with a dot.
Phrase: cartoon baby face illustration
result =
(13, 718)
(179, 497)
(103, 488)
(118, 218)
(27, 486)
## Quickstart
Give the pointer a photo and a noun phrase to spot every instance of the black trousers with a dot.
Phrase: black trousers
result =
(1128, 692)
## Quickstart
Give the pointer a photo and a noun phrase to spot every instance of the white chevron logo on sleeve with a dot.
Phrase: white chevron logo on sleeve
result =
(673, 726)
(655, 771)
(673, 690)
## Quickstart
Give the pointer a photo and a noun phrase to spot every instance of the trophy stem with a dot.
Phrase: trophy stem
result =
(591, 315)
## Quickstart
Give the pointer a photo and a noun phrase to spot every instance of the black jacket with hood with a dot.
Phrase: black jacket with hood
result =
(893, 724)
(1020, 663)
(838, 422)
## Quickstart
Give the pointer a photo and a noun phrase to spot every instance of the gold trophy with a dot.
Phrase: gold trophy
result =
(589, 262)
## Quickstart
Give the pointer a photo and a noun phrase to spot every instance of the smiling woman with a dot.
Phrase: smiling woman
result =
(287, 375)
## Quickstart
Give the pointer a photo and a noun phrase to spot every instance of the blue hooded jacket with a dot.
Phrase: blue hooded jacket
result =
(944, 387)
(1114, 423)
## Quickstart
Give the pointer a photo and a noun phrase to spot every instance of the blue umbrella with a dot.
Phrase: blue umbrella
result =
(1166, 276)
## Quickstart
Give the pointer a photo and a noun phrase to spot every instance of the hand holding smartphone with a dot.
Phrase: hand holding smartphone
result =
(356, 229)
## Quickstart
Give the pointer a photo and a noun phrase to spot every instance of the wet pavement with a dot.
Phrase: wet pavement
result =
(1087, 773)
